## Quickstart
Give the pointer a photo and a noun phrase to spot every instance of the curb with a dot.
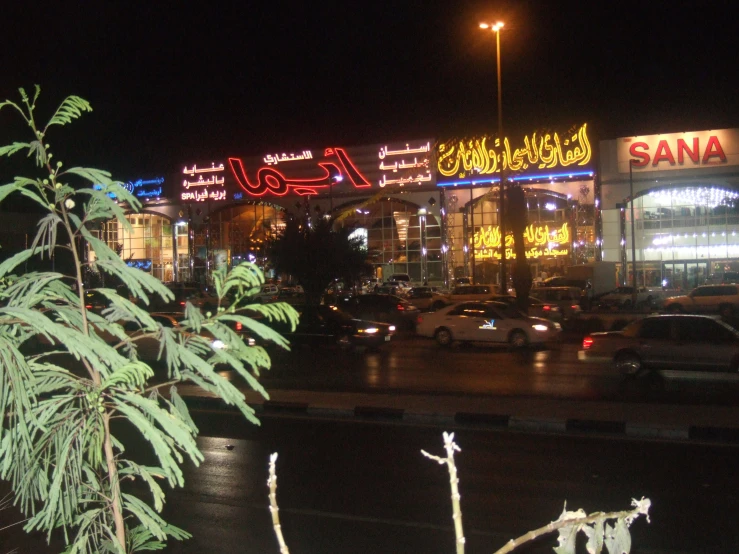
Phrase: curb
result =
(341, 408)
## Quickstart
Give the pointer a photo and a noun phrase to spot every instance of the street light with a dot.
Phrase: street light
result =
(633, 235)
(495, 28)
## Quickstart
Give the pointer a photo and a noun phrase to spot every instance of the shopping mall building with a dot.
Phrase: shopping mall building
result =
(683, 189)
(425, 207)
(429, 207)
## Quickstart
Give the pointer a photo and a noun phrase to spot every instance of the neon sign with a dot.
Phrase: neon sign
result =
(402, 172)
(540, 241)
(145, 188)
(143, 265)
(208, 185)
(486, 155)
(271, 180)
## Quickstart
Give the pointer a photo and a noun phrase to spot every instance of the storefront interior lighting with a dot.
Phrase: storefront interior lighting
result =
(697, 196)
(549, 206)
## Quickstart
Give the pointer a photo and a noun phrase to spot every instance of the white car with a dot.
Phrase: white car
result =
(486, 322)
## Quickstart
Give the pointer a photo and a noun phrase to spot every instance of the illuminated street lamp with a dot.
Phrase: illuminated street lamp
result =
(495, 28)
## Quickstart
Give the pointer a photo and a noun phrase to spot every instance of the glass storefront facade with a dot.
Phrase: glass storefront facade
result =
(153, 244)
(560, 232)
(401, 237)
(685, 236)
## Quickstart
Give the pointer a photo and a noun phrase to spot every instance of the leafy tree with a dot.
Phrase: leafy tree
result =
(315, 254)
(67, 466)
(517, 220)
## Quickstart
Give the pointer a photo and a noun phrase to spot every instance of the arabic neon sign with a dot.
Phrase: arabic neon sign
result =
(274, 181)
(486, 156)
(209, 184)
(539, 240)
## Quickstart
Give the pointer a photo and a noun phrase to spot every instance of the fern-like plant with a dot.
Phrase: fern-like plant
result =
(67, 468)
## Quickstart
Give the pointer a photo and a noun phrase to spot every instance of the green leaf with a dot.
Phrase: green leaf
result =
(13, 148)
(71, 108)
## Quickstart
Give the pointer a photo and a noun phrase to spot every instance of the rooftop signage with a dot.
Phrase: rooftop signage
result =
(485, 155)
(201, 184)
(679, 150)
(317, 171)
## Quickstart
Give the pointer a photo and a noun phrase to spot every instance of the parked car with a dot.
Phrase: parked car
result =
(486, 322)
(536, 308)
(722, 299)
(623, 297)
(267, 293)
(461, 293)
(567, 298)
(385, 308)
(328, 325)
(673, 345)
(399, 288)
(403, 277)
(426, 298)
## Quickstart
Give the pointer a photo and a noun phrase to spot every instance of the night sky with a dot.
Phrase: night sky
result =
(175, 82)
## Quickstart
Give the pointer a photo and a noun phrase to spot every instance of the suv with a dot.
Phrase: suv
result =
(567, 298)
(268, 293)
(723, 299)
(463, 293)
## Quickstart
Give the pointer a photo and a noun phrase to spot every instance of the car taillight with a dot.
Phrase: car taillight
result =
(546, 308)
(400, 307)
(587, 342)
(88, 306)
(182, 303)
(575, 307)
(239, 326)
(419, 319)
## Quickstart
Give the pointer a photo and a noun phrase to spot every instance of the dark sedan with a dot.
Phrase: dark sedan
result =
(328, 325)
(387, 308)
(674, 346)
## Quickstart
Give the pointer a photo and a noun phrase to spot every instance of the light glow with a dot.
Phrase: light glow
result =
(486, 155)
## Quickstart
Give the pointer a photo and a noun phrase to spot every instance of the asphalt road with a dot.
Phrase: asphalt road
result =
(364, 487)
(417, 365)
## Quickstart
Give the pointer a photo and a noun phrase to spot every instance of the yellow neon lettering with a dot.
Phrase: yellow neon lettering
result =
(473, 156)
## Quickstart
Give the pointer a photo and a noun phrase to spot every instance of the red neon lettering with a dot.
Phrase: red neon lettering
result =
(271, 180)
(682, 148)
(643, 156)
(713, 149)
(663, 154)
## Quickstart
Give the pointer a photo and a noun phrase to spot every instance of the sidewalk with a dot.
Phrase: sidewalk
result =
(659, 421)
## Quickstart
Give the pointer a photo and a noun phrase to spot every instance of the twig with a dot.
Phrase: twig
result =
(272, 484)
(450, 446)
(641, 507)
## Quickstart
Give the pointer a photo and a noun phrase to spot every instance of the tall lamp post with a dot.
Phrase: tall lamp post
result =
(495, 28)
(633, 235)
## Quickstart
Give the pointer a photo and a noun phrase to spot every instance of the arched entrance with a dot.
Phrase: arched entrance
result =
(400, 236)
(235, 234)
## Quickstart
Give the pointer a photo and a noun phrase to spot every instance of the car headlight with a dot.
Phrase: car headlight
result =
(391, 328)
(369, 330)
(218, 344)
(540, 327)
